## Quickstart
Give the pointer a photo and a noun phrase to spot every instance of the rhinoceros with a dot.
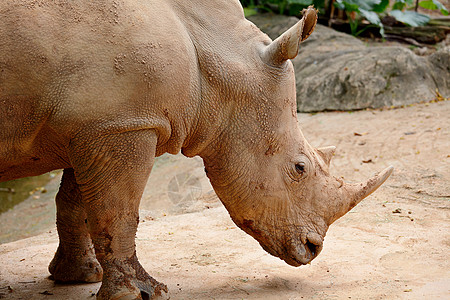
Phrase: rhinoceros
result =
(101, 88)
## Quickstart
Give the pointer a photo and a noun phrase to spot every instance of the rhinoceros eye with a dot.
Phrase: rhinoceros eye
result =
(300, 168)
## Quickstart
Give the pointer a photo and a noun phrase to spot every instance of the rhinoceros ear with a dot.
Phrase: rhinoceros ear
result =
(286, 45)
(327, 153)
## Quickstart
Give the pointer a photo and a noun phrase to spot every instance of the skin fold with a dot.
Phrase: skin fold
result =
(100, 88)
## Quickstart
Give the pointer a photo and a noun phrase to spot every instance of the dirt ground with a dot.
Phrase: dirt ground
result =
(393, 245)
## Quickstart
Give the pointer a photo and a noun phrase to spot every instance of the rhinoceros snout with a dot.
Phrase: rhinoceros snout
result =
(305, 250)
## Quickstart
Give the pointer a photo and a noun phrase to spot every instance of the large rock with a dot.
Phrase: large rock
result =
(370, 77)
(336, 71)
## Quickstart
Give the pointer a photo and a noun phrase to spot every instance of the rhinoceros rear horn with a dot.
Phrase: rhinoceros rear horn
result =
(327, 153)
(286, 45)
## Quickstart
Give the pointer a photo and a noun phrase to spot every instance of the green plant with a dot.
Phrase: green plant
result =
(410, 18)
(289, 7)
(371, 10)
(358, 9)
(402, 4)
(433, 5)
(355, 10)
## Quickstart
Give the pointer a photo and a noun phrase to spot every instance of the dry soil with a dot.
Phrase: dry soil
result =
(393, 245)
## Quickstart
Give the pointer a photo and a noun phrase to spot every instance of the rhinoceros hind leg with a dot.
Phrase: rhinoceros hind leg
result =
(75, 260)
(65, 268)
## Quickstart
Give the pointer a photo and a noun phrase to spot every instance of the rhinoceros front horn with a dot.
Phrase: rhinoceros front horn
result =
(286, 45)
(354, 193)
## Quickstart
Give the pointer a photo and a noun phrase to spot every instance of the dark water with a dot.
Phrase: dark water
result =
(15, 191)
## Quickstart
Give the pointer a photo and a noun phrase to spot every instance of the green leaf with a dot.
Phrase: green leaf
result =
(409, 2)
(249, 12)
(371, 16)
(381, 7)
(356, 5)
(401, 4)
(302, 2)
(434, 4)
(339, 5)
(428, 4)
(367, 4)
(398, 5)
(410, 18)
(346, 5)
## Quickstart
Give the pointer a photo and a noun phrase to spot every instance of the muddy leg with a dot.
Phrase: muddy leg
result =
(75, 259)
(112, 172)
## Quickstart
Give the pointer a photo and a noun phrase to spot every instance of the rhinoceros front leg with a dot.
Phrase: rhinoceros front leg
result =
(111, 172)
(74, 260)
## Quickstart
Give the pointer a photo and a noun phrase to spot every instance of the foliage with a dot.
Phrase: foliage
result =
(355, 10)
(401, 4)
(434, 4)
(289, 7)
(410, 17)
(371, 10)
(249, 11)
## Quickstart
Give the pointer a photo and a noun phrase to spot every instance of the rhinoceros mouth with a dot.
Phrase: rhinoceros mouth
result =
(296, 254)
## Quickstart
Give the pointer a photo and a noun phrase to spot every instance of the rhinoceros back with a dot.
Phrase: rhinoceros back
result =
(68, 67)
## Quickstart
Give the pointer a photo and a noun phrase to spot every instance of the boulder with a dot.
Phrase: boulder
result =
(368, 78)
(336, 71)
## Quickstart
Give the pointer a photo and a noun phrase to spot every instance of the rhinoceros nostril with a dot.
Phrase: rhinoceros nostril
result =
(314, 243)
(312, 248)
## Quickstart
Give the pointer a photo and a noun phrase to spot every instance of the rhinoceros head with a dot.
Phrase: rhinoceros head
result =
(274, 184)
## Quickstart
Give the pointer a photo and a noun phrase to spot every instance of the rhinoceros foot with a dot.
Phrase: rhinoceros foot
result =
(127, 279)
(75, 268)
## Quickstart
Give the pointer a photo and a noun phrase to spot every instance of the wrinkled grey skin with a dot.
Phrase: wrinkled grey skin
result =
(100, 88)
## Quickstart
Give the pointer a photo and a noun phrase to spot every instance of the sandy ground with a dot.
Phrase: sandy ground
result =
(394, 245)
